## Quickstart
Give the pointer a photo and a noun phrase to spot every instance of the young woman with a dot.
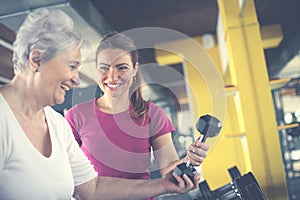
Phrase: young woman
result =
(117, 130)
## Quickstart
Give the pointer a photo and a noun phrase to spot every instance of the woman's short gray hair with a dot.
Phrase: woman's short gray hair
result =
(48, 30)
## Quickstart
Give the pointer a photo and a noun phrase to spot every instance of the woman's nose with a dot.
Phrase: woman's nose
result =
(113, 74)
(76, 79)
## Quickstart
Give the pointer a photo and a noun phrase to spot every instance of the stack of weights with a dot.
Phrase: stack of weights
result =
(241, 187)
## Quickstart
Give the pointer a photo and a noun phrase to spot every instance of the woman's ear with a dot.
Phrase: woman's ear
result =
(136, 67)
(34, 60)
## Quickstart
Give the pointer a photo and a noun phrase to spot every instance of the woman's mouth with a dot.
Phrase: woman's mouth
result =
(65, 87)
(113, 86)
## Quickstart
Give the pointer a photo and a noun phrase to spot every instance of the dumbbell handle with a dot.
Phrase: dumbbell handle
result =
(202, 138)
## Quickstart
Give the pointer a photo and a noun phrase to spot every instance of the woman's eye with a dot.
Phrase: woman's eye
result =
(123, 67)
(73, 67)
(103, 68)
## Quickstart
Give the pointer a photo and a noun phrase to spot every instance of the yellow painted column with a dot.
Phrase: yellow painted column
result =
(228, 151)
(202, 71)
(248, 71)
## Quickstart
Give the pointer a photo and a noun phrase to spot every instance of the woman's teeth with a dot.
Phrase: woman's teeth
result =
(65, 87)
(113, 85)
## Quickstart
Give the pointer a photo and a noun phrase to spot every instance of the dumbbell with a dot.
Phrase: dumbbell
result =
(208, 126)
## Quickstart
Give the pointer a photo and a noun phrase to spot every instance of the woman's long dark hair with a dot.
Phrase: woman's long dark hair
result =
(115, 40)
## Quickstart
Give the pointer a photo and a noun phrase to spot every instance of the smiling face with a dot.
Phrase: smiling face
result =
(59, 75)
(116, 72)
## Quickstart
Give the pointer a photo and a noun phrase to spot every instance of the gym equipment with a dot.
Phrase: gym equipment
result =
(243, 187)
(208, 126)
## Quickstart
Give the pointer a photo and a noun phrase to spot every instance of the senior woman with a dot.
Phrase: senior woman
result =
(39, 157)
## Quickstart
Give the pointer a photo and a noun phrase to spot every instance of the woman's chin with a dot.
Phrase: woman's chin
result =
(59, 100)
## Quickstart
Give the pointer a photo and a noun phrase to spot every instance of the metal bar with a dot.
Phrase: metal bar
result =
(6, 44)
(23, 12)
(4, 80)
(242, 6)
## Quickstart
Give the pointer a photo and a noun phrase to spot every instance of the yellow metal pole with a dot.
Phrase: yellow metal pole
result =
(228, 151)
(248, 71)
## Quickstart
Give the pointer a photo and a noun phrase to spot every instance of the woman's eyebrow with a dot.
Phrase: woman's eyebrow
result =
(122, 64)
(103, 64)
(75, 62)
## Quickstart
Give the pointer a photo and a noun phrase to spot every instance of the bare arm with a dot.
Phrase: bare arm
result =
(116, 188)
(165, 153)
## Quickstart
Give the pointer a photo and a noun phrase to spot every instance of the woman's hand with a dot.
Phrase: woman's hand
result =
(196, 153)
(182, 184)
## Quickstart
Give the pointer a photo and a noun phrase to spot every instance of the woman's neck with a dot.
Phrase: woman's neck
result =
(112, 105)
(20, 97)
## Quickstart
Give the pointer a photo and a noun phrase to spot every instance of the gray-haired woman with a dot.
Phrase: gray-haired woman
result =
(39, 158)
